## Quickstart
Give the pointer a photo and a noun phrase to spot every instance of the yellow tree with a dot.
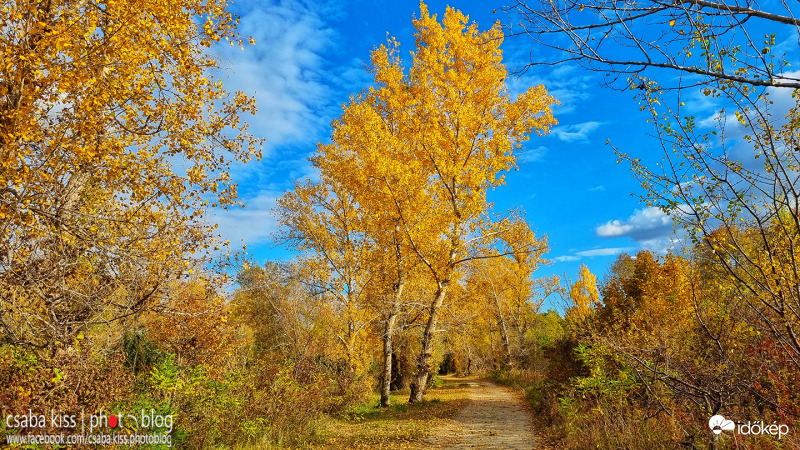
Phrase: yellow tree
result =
(489, 282)
(324, 220)
(426, 146)
(503, 282)
(281, 316)
(358, 259)
(521, 261)
(386, 196)
(584, 296)
(113, 140)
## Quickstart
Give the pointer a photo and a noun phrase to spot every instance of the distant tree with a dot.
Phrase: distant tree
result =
(280, 316)
(585, 297)
(504, 286)
(324, 221)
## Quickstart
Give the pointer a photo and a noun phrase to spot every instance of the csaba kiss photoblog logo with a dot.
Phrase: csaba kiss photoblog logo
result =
(719, 423)
(92, 422)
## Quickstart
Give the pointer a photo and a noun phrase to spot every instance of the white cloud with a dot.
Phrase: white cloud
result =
(566, 258)
(569, 98)
(650, 228)
(788, 46)
(609, 251)
(599, 187)
(659, 245)
(731, 132)
(567, 83)
(648, 223)
(284, 71)
(298, 90)
(578, 132)
(780, 101)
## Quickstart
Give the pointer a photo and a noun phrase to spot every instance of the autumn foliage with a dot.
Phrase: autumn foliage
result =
(115, 140)
(418, 151)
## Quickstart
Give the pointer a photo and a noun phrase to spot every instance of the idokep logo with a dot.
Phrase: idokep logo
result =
(718, 424)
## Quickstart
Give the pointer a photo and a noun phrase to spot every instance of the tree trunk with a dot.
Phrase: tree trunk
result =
(420, 382)
(399, 369)
(386, 382)
(501, 324)
(388, 336)
(492, 352)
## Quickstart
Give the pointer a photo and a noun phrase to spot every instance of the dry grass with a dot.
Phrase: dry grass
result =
(399, 426)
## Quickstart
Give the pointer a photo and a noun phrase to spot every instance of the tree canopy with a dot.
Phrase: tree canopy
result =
(114, 139)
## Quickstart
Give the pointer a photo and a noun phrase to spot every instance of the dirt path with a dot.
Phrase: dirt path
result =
(494, 418)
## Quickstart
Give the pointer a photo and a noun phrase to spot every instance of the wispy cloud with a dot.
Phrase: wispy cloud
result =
(568, 84)
(776, 103)
(608, 251)
(578, 132)
(253, 224)
(530, 155)
(566, 258)
(298, 89)
(284, 71)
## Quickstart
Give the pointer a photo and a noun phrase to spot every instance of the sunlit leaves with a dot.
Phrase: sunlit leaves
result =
(585, 298)
(418, 151)
(113, 141)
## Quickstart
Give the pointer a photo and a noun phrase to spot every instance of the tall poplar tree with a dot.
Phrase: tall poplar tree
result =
(421, 148)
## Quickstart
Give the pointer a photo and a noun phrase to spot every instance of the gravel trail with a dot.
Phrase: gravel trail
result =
(494, 418)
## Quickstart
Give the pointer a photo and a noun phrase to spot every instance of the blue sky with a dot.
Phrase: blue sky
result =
(310, 57)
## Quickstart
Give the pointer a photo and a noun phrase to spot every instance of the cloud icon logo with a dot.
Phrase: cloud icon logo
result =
(718, 424)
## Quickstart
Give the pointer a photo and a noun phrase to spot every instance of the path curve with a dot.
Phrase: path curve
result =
(494, 418)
